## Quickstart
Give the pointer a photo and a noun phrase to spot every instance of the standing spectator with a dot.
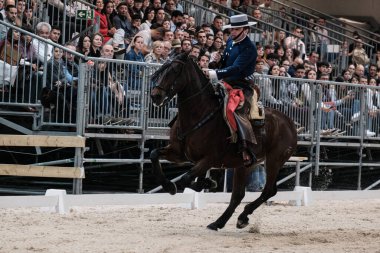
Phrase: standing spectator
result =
(294, 41)
(359, 55)
(135, 71)
(155, 33)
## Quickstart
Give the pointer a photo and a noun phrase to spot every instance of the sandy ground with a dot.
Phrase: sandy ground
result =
(325, 226)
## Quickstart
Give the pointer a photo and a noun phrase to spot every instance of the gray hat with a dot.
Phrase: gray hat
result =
(237, 21)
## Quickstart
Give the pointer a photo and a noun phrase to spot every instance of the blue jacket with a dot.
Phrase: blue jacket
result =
(238, 60)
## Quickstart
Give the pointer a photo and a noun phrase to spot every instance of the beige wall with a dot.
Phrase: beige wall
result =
(359, 8)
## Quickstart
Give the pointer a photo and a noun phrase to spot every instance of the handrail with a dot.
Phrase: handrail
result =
(86, 3)
(332, 23)
(237, 11)
(304, 27)
(334, 18)
(48, 41)
(307, 28)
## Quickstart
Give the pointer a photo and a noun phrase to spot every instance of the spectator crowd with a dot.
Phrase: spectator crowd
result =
(156, 31)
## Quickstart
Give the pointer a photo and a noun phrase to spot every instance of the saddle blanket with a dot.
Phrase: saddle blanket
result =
(232, 100)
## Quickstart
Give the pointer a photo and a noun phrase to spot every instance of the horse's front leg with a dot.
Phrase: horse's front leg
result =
(238, 193)
(197, 171)
(170, 154)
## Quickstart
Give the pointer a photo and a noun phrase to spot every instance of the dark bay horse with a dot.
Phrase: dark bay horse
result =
(200, 135)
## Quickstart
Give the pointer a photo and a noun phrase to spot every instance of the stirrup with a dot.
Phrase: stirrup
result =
(251, 158)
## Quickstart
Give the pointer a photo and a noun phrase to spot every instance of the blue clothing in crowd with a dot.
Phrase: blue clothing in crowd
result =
(135, 71)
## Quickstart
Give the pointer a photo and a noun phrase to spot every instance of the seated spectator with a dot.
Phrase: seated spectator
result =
(109, 11)
(176, 20)
(159, 17)
(176, 48)
(217, 46)
(137, 9)
(195, 52)
(84, 44)
(293, 67)
(29, 18)
(70, 67)
(149, 16)
(100, 90)
(168, 35)
(10, 47)
(55, 34)
(155, 55)
(186, 46)
(96, 44)
(134, 28)
(10, 54)
(103, 23)
(10, 18)
(204, 61)
(20, 12)
(165, 55)
(44, 51)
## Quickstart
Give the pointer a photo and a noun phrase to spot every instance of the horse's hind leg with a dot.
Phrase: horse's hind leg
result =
(272, 168)
(170, 154)
(238, 193)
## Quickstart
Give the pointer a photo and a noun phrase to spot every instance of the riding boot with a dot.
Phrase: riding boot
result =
(247, 138)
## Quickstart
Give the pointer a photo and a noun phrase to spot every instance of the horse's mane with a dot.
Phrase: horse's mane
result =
(184, 57)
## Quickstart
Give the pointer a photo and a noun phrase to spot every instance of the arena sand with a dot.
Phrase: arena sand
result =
(324, 226)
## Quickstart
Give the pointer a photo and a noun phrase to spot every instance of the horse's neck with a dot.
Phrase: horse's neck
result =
(195, 102)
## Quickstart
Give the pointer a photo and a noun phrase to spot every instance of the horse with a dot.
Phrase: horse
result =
(200, 135)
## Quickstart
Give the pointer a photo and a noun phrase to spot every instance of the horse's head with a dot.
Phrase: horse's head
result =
(180, 76)
(169, 80)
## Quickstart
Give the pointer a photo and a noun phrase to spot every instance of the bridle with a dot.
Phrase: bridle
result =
(169, 91)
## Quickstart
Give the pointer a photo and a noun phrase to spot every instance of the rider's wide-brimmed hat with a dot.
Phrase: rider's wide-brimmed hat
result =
(237, 21)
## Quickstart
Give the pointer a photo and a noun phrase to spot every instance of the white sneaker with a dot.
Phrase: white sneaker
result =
(370, 134)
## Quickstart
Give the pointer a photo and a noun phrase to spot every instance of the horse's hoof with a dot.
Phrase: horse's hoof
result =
(242, 224)
(213, 226)
(210, 183)
(170, 187)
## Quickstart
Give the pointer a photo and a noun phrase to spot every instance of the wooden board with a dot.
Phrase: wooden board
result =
(41, 171)
(42, 141)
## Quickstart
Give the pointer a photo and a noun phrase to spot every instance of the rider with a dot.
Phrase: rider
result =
(238, 64)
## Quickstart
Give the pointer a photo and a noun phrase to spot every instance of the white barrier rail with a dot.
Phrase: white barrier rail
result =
(58, 201)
